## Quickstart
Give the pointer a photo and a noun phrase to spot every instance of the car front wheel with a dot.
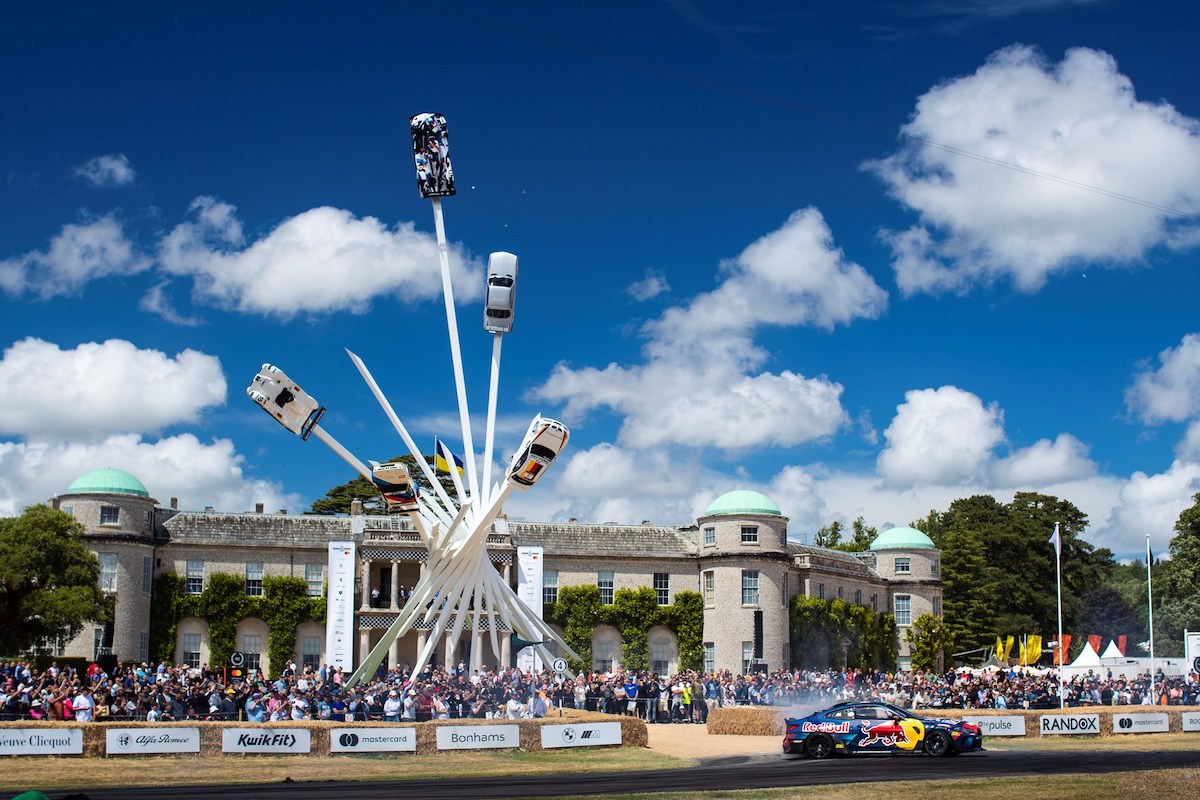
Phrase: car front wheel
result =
(938, 743)
(819, 745)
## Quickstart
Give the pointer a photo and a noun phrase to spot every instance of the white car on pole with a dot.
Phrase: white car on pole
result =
(283, 399)
(544, 440)
(501, 293)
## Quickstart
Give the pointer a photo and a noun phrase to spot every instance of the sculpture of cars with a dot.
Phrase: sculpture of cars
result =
(283, 399)
(501, 292)
(877, 727)
(544, 440)
(395, 483)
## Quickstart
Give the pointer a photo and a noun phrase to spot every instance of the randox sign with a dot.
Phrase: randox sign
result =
(477, 737)
(41, 742)
(140, 741)
(581, 735)
(1070, 723)
(1008, 725)
(266, 740)
(1141, 723)
(372, 740)
(1191, 720)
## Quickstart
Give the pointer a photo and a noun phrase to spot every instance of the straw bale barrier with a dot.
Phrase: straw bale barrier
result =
(769, 720)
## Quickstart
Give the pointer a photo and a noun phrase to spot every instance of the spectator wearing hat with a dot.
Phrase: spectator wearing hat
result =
(255, 711)
(392, 707)
(410, 706)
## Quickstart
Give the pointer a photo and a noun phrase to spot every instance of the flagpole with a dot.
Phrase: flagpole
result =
(1062, 656)
(1150, 607)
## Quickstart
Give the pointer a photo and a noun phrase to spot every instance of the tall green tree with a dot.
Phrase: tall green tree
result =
(1176, 603)
(337, 500)
(49, 580)
(970, 593)
(930, 639)
(863, 535)
(829, 536)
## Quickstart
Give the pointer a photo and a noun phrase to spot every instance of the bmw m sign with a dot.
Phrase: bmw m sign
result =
(599, 733)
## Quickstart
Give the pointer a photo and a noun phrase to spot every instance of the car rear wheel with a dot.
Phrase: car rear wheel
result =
(938, 743)
(819, 745)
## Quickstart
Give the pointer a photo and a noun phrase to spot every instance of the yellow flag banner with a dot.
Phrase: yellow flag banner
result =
(1033, 650)
(1008, 646)
(999, 649)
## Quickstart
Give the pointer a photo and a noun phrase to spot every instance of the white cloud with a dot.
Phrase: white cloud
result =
(649, 287)
(322, 260)
(1044, 463)
(198, 474)
(997, 165)
(80, 253)
(107, 171)
(102, 388)
(1188, 448)
(1172, 392)
(1149, 504)
(156, 302)
(698, 386)
(941, 436)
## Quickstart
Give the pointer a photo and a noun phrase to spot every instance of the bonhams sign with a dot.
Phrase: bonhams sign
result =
(477, 737)
(266, 740)
(1070, 723)
(139, 741)
(41, 742)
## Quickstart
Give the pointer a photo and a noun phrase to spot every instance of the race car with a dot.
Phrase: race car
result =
(396, 485)
(544, 440)
(283, 399)
(877, 728)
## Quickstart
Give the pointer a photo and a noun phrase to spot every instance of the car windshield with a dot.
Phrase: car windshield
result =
(501, 281)
(540, 450)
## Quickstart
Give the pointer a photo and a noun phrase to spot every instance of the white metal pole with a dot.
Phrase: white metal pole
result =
(336, 446)
(1062, 655)
(460, 386)
(493, 390)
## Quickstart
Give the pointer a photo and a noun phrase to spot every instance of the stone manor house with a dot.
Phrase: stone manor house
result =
(737, 555)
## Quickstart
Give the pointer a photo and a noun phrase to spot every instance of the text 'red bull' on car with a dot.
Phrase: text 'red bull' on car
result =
(877, 728)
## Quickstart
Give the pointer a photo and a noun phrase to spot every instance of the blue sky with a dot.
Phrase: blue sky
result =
(865, 258)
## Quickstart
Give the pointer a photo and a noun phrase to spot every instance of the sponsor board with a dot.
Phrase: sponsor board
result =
(41, 742)
(477, 737)
(1070, 723)
(266, 740)
(1140, 723)
(1191, 721)
(372, 740)
(581, 735)
(1008, 725)
(136, 741)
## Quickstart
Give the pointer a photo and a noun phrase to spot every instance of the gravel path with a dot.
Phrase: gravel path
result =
(694, 741)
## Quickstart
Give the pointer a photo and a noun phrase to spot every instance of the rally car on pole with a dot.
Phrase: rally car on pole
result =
(877, 728)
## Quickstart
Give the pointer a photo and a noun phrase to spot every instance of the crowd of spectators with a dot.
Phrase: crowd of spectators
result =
(161, 692)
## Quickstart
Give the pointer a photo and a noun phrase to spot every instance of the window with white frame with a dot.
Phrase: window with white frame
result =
(314, 576)
(195, 577)
(662, 588)
(874, 602)
(549, 586)
(143, 645)
(191, 650)
(749, 534)
(903, 605)
(937, 606)
(710, 657)
(254, 578)
(840, 593)
(604, 582)
(858, 597)
(747, 656)
(820, 591)
(710, 537)
(147, 575)
(660, 655)
(708, 586)
(69, 510)
(252, 647)
(783, 536)
(310, 652)
(108, 571)
(110, 515)
(903, 565)
(783, 596)
(934, 567)
(749, 587)
(602, 656)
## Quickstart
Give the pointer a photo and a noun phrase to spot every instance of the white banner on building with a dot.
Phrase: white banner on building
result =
(581, 735)
(266, 740)
(372, 740)
(1141, 723)
(1007, 725)
(529, 591)
(1191, 720)
(1070, 723)
(339, 614)
(477, 737)
(41, 742)
(139, 741)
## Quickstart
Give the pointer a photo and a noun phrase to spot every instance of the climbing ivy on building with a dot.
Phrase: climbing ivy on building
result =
(223, 604)
(633, 613)
(833, 633)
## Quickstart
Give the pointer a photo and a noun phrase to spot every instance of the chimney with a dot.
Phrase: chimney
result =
(282, 511)
(175, 503)
(356, 507)
(573, 519)
(208, 509)
(258, 508)
(646, 523)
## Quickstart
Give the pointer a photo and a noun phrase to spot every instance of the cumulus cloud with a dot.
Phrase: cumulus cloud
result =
(1170, 393)
(198, 474)
(107, 171)
(79, 254)
(1044, 463)
(97, 389)
(699, 384)
(1018, 171)
(649, 287)
(1188, 448)
(157, 302)
(941, 436)
(1150, 504)
(322, 260)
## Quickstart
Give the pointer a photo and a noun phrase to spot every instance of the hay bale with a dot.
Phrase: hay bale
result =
(746, 721)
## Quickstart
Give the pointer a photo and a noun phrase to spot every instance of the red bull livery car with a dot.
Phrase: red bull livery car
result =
(877, 728)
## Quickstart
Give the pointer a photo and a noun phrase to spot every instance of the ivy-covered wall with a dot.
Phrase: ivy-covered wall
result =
(223, 604)
(633, 612)
(834, 633)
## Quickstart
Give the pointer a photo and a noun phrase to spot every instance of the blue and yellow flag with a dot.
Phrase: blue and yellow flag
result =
(439, 460)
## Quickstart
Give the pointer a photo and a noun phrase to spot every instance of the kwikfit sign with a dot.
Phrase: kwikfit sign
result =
(1070, 723)
(260, 740)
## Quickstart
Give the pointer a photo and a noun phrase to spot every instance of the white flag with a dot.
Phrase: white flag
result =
(1056, 541)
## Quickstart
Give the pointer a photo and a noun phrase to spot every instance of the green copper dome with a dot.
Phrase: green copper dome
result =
(742, 501)
(900, 539)
(107, 481)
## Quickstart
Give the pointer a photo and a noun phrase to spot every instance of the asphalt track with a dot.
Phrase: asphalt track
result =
(742, 772)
